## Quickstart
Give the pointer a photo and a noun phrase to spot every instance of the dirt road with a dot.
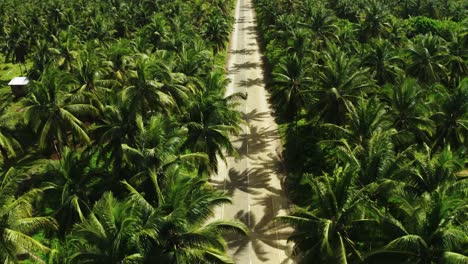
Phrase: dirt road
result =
(254, 178)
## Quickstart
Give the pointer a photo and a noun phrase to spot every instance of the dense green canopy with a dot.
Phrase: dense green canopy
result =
(106, 160)
(372, 98)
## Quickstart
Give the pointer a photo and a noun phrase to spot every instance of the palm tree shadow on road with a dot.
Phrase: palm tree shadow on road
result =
(264, 232)
(245, 66)
(251, 82)
(255, 142)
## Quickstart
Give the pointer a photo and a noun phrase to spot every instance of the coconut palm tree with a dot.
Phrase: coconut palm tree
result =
(322, 230)
(216, 31)
(433, 170)
(158, 150)
(89, 75)
(457, 67)
(210, 121)
(339, 82)
(174, 84)
(292, 83)
(193, 59)
(51, 112)
(65, 49)
(428, 229)
(320, 20)
(118, 62)
(428, 56)
(375, 21)
(284, 26)
(176, 228)
(118, 126)
(408, 112)
(144, 94)
(18, 222)
(364, 120)
(107, 235)
(156, 31)
(452, 119)
(376, 160)
(74, 176)
(9, 145)
(41, 58)
(383, 62)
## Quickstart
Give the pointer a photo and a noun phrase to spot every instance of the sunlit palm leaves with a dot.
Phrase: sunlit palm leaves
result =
(293, 85)
(339, 82)
(322, 231)
(18, 222)
(217, 31)
(9, 145)
(383, 62)
(107, 235)
(428, 55)
(183, 234)
(52, 113)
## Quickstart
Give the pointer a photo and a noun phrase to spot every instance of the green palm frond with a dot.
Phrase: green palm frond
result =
(454, 258)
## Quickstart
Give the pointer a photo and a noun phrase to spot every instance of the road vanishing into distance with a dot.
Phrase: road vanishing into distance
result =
(254, 177)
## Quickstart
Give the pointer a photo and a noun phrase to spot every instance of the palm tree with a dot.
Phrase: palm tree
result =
(452, 119)
(374, 161)
(299, 43)
(18, 223)
(427, 58)
(375, 20)
(210, 121)
(51, 112)
(117, 126)
(364, 121)
(323, 230)
(118, 62)
(89, 75)
(339, 83)
(156, 31)
(144, 94)
(383, 62)
(65, 49)
(41, 58)
(107, 235)
(99, 29)
(173, 83)
(320, 20)
(292, 83)
(428, 228)
(193, 59)
(74, 178)
(457, 67)
(284, 25)
(409, 113)
(216, 31)
(176, 229)
(17, 41)
(158, 150)
(9, 145)
(433, 170)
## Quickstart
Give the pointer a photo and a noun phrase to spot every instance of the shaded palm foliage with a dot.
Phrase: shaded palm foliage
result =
(377, 93)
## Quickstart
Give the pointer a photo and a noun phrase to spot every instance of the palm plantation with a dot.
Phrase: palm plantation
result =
(108, 157)
(379, 106)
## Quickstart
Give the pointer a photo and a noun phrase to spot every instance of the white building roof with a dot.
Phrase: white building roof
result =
(19, 81)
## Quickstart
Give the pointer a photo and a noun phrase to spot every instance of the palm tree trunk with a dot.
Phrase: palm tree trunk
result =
(59, 155)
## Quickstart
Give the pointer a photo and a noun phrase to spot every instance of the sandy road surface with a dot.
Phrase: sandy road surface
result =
(254, 178)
